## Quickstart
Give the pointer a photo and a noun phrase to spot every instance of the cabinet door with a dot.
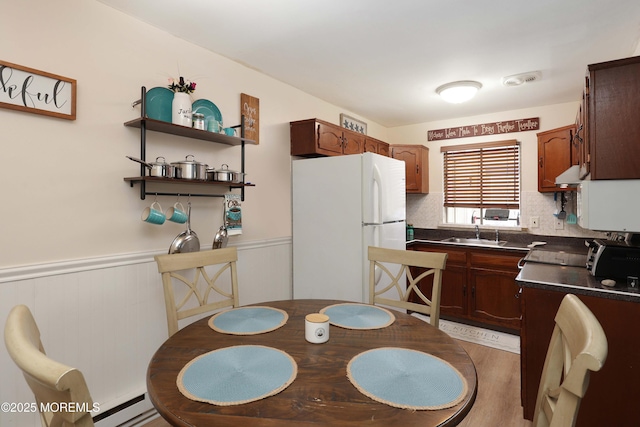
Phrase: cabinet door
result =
(554, 156)
(352, 143)
(582, 132)
(453, 293)
(370, 145)
(495, 298)
(410, 157)
(453, 297)
(416, 159)
(614, 128)
(383, 148)
(329, 138)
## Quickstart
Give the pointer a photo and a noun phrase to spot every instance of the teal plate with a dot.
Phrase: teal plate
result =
(208, 108)
(158, 104)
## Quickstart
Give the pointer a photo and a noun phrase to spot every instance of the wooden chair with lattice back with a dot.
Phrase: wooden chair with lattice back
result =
(432, 262)
(212, 297)
(55, 386)
(578, 346)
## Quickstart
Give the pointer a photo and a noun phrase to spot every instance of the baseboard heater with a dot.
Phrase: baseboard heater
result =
(127, 414)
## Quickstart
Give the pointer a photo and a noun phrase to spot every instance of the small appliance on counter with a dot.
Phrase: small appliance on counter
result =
(614, 260)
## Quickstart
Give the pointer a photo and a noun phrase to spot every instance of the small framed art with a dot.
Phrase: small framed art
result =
(353, 124)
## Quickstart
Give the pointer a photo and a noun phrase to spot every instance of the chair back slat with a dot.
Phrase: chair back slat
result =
(199, 275)
(407, 262)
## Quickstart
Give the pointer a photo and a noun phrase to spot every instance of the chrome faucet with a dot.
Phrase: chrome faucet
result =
(477, 232)
(497, 236)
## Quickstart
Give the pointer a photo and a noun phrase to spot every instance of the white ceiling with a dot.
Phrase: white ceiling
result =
(383, 60)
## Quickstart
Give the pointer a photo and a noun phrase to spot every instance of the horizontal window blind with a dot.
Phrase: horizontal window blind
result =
(482, 175)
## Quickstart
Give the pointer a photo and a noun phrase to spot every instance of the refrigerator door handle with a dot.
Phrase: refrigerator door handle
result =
(376, 242)
(377, 201)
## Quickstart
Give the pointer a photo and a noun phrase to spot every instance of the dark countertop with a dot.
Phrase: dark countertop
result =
(570, 279)
(516, 241)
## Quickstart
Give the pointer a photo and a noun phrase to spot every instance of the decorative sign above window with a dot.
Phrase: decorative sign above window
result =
(496, 128)
(250, 110)
(353, 124)
(34, 91)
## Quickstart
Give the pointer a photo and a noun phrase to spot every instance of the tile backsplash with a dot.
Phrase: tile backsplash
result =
(425, 211)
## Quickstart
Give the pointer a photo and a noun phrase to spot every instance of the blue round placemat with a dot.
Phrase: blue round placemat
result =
(236, 375)
(358, 316)
(407, 379)
(248, 320)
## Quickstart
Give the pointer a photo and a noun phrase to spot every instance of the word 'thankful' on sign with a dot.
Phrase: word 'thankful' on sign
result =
(507, 126)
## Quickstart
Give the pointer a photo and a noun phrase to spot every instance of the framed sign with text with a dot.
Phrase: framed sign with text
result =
(35, 91)
(250, 110)
(507, 126)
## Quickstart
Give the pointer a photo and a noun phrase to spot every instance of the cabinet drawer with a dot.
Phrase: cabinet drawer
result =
(495, 260)
(455, 256)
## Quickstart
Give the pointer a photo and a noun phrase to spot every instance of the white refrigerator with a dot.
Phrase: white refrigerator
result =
(341, 206)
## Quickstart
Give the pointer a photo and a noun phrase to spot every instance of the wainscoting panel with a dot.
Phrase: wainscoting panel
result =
(106, 317)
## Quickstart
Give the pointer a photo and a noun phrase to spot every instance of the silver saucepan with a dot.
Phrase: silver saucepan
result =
(160, 169)
(225, 175)
(190, 169)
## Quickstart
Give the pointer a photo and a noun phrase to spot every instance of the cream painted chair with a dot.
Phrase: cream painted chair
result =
(578, 346)
(52, 383)
(433, 262)
(172, 267)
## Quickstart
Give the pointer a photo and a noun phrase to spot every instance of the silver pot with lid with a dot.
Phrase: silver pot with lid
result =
(160, 169)
(190, 169)
(225, 175)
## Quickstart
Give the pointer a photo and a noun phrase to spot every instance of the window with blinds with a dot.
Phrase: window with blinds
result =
(482, 175)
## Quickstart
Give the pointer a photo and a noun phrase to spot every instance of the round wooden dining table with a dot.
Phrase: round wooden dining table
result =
(321, 394)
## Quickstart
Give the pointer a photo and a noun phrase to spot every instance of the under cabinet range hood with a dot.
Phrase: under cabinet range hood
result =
(569, 178)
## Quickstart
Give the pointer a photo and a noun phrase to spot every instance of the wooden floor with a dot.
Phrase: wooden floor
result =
(498, 399)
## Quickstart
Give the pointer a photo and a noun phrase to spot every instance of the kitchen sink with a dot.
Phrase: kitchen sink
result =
(474, 242)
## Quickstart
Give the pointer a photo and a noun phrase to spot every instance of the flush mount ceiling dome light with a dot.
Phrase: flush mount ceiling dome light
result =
(457, 92)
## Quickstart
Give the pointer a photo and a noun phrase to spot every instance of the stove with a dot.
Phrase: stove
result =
(541, 256)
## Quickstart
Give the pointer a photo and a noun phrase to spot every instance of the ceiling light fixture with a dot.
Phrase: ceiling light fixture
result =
(457, 92)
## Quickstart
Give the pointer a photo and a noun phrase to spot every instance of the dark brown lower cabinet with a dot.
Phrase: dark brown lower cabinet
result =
(478, 286)
(614, 391)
